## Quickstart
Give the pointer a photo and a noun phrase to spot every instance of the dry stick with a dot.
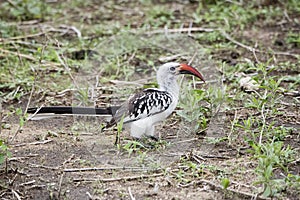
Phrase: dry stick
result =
(263, 123)
(22, 43)
(64, 30)
(78, 33)
(232, 127)
(22, 157)
(26, 36)
(228, 37)
(27, 57)
(105, 168)
(126, 178)
(35, 186)
(60, 183)
(16, 194)
(63, 63)
(216, 156)
(198, 157)
(179, 30)
(117, 82)
(36, 112)
(130, 194)
(27, 183)
(69, 159)
(32, 143)
(194, 83)
(18, 54)
(89, 195)
(44, 167)
(27, 106)
(188, 140)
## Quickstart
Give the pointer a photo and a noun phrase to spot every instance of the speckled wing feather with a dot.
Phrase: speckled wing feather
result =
(141, 105)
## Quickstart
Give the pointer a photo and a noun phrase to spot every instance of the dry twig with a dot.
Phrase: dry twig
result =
(28, 57)
(60, 183)
(180, 30)
(130, 194)
(105, 168)
(126, 178)
(32, 143)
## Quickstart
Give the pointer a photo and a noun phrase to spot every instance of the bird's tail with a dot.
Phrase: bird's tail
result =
(54, 111)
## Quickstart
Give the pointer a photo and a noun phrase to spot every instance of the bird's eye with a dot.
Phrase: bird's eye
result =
(172, 69)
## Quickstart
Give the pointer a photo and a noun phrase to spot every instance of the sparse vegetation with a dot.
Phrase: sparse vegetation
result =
(229, 138)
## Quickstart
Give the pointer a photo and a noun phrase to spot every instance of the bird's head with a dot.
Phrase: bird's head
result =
(173, 69)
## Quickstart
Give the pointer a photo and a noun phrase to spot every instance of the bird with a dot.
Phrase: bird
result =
(143, 110)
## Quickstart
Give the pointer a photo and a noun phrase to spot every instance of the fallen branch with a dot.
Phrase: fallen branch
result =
(26, 36)
(21, 157)
(126, 178)
(27, 183)
(32, 143)
(188, 140)
(180, 30)
(43, 166)
(105, 168)
(215, 156)
(35, 186)
(60, 183)
(28, 57)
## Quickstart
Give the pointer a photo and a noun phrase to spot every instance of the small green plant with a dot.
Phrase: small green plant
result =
(225, 183)
(192, 110)
(22, 118)
(293, 39)
(133, 146)
(4, 153)
(119, 131)
(270, 156)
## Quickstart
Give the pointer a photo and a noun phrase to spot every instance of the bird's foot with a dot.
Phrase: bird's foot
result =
(152, 137)
(154, 142)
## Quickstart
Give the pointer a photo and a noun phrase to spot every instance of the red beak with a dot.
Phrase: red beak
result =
(186, 69)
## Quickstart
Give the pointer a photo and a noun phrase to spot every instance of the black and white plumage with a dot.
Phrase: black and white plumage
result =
(143, 110)
(144, 104)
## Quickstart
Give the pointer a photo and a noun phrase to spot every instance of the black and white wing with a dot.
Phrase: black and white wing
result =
(143, 104)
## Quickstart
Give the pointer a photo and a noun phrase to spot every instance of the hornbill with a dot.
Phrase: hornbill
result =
(143, 110)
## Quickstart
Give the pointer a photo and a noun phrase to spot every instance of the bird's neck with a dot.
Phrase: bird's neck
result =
(170, 85)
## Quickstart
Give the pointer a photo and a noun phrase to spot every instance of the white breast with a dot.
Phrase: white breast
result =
(146, 126)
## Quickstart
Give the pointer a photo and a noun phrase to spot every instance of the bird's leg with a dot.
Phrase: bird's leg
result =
(152, 137)
(137, 130)
(145, 144)
(117, 141)
(150, 133)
